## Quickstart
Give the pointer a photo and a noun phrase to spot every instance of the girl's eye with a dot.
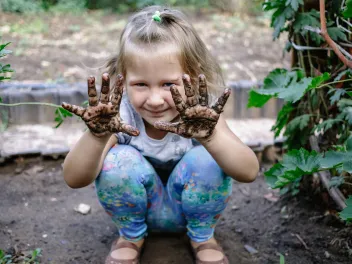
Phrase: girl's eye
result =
(168, 84)
(140, 84)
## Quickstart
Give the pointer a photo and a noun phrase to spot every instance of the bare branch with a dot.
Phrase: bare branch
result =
(325, 35)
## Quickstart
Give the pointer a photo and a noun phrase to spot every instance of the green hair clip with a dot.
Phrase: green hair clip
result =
(156, 17)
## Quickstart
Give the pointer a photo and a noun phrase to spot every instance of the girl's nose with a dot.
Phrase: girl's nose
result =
(155, 99)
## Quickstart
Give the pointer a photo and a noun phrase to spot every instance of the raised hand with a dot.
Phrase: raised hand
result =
(198, 120)
(102, 114)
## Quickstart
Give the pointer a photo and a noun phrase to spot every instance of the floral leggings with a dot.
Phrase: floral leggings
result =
(132, 193)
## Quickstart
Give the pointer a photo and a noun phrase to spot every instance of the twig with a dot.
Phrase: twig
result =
(301, 240)
(325, 35)
(325, 176)
(298, 47)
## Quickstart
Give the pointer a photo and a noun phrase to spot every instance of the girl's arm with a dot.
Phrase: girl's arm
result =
(233, 156)
(84, 162)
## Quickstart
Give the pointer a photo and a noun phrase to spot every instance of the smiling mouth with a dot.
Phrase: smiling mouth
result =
(156, 113)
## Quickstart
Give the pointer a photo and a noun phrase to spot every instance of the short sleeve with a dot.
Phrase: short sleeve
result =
(126, 115)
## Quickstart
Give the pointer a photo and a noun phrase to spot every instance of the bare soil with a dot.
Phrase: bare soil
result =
(37, 212)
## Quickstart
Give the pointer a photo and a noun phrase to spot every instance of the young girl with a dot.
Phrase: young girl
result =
(161, 155)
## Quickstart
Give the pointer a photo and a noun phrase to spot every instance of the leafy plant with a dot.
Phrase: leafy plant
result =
(316, 93)
(60, 113)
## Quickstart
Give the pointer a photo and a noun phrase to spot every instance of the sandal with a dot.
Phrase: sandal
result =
(216, 247)
(124, 244)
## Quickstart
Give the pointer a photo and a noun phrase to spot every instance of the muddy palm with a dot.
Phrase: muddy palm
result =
(102, 114)
(198, 120)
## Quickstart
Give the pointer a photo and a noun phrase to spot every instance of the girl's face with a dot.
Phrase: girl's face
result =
(148, 80)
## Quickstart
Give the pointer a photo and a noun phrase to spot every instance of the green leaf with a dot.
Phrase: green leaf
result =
(346, 213)
(279, 18)
(337, 95)
(2, 46)
(288, 177)
(336, 181)
(306, 19)
(349, 93)
(295, 90)
(336, 34)
(256, 99)
(276, 80)
(306, 161)
(4, 52)
(347, 13)
(294, 3)
(325, 125)
(273, 173)
(282, 259)
(282, 118)
(347, 166)
(346, 115)
(334, 159)
(319, 80)
(64, 112)
(299, 122)
(284, 84)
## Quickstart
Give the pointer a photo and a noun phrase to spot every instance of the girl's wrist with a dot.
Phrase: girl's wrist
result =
(103, 140)
(208, 140)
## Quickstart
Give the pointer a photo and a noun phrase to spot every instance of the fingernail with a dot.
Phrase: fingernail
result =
(106, 76)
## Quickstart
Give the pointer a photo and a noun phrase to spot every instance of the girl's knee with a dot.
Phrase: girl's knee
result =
(202, 167)
(123, 164)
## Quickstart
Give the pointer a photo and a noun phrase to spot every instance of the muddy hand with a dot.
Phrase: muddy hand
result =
(198, 120)
(102, 115)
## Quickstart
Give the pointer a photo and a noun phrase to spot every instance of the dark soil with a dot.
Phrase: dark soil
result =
(37, 212)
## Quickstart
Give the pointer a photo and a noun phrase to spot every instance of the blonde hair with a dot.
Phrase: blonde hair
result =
(142, 34)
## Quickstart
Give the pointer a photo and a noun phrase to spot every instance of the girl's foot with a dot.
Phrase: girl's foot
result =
(124, 251)
(208, 252)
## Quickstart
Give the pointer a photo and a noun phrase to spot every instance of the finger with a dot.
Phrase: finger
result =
(118, 91)
(203, 90)
(92, 92)
(129, 130)
(105, 89)
(189, 91)
(219, 105)
(77, 110)
(176, 96)
(167, 126)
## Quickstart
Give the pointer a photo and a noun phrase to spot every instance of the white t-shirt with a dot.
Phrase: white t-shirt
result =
(163, 154)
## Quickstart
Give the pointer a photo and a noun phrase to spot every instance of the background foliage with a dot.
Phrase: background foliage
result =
(317, 92)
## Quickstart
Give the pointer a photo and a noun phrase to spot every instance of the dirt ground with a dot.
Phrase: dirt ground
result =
(37, 211)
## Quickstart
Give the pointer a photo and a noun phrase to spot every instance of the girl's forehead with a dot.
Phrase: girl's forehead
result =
(163, 52)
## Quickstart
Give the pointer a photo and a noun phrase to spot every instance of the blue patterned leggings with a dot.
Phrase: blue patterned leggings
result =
(132, 193)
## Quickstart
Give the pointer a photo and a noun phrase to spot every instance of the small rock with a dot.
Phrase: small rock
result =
(18, 170)
(37, 169)
(235, 207)
(250, 249)
(9, 231)
(45, 235)
(53, 199)
(238, 231)
(327, 254)
(82, 208)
